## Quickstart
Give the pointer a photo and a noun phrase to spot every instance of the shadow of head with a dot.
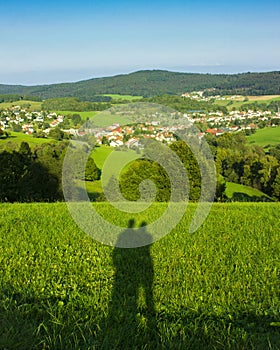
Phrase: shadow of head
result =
(133, 237)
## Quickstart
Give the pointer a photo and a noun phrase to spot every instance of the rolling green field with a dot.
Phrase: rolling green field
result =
(103, 120)
(239, 102)
(215, 289)
(267, 98)
(31, 105)
(99, 118)
(84, 115)
(99, 155)
(241, 193)
(123, 97)
(266, 136)
(18, 137)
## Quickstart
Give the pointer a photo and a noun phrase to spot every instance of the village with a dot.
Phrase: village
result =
(40, 124)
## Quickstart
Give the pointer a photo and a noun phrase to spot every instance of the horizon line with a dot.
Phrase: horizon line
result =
(112, 75)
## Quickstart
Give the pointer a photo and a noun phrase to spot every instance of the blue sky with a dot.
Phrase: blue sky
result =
(54, 41)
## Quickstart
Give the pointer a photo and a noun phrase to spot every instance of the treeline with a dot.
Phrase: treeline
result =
(185, 105)
(235, 162)
(73, 104)
(156, 82)
(13, 98)
(178, 103)
(247, 165)
(36, 175)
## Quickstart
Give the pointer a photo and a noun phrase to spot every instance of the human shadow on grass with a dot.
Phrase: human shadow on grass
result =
(131, 317)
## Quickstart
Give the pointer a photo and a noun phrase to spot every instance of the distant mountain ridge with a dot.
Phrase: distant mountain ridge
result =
(156, 82)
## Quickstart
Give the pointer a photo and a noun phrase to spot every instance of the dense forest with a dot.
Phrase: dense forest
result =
(153, 83)
(15, 97)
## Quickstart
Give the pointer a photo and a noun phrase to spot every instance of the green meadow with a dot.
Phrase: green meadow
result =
(215, 289)
(118, 97)
(231, 104)
(100, 119)
(84, 115)
(103, 119)
(18, 137)
(241, 193)
(99, 154)
(30, 105)
(265, 137)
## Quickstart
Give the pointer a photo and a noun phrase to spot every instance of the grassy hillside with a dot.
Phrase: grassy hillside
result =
(30, 105)
(266, 98)
(231, 104)
(99, 155)
(84, 115)
(99, 118)
(156, 82)
(117, 97)
(18, 137)
(241, 193)
(215, 289)
(266, 136)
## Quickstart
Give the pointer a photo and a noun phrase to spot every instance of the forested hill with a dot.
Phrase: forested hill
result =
(156, 82)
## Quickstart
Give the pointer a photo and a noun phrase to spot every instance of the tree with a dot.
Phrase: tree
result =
(232, 141)
(220, 195)
(275, 152)
(105, 141)
(92, 172)
(76, 119)
(140, 170)
(192, 168)
(25, 149)
(56, 134)
(276, 185)
(16, 128)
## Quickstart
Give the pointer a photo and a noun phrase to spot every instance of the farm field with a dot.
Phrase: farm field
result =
(103, 119)
(215, 289)
(18, 137)
(84, 115)
(260, 98)
(237, 103)
(265, 137)
(123, 97)
(99, 117)
(268, 98)
(32, 105)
